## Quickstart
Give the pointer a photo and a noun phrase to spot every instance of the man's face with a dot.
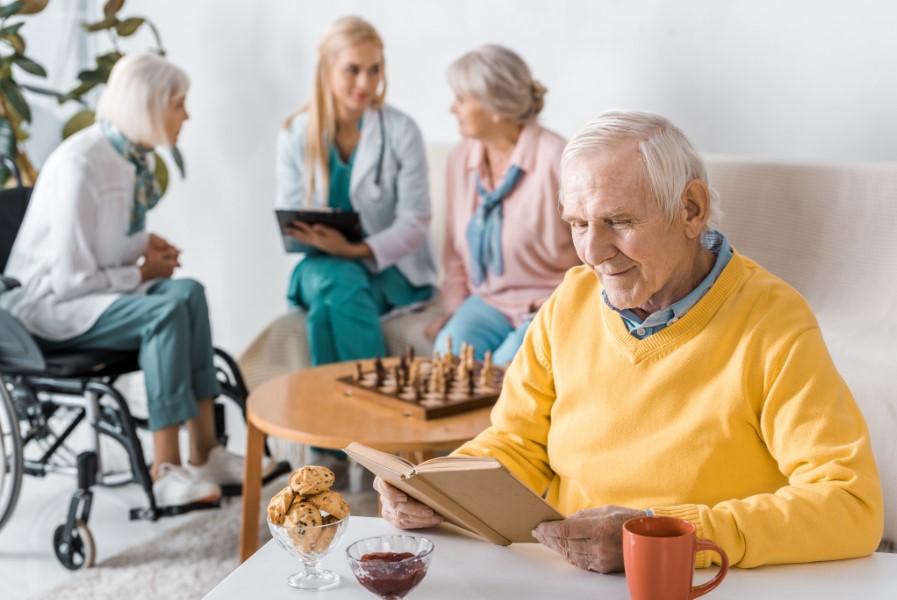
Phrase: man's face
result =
(643, 261)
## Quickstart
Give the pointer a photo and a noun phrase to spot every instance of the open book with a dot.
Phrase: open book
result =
(478, 494)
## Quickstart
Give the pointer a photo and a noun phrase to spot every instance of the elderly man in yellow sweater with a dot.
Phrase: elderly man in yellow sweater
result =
(671, 375)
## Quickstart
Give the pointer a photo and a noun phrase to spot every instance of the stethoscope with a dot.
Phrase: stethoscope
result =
(379, 170)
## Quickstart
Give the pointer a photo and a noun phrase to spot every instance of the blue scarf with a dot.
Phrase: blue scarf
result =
(484, 229)
(146, 190)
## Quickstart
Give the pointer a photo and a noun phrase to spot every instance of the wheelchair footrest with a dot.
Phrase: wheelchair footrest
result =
(236, 489)
(170, 511)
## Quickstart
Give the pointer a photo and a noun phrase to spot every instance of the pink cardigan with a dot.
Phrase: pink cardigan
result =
(536, 245)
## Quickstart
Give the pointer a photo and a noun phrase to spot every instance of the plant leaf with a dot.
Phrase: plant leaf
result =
(95, 76)
(7, 146)
(129, 26)
(161, 173)
(109, 59)
(100, 25)
(111, 7)
(80, 120)
(11, 29)
(17, 42)
(11, 89)
(32, 7)
(77, 92)
(29, 65)
(179, 161)
(10, 9)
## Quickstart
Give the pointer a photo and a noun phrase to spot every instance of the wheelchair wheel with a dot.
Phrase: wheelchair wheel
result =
(11, 466)
(80, 553)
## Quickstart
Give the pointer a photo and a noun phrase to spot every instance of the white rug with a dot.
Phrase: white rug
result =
(185, 562)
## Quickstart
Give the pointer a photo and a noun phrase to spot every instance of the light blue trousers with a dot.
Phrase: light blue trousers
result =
(344, 302)
(170, 328)
(486, 328)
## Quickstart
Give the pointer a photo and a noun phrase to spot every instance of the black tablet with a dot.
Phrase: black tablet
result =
(346, 222)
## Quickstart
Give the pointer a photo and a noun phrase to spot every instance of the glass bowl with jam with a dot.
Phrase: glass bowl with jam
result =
(390, 566)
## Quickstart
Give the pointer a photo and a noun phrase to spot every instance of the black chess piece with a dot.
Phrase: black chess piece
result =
(471, 385)
(380, 371)
(359, 374)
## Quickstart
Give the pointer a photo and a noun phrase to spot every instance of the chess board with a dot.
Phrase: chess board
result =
(458, 395)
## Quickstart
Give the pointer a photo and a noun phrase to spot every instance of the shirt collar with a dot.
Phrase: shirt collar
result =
(713, 240)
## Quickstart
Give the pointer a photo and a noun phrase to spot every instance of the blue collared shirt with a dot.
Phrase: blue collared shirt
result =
(713, 240)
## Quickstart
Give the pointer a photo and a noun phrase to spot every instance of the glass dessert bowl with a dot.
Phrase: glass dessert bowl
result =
(390, 566)
(310, 544)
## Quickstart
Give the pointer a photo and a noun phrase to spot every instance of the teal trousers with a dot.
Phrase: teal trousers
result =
(344, 302)
(169, 326)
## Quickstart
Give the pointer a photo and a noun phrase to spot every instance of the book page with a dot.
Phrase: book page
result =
(393, 463)
(457, 463)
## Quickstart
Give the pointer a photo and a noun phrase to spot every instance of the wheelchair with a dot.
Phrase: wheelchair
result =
(45, 397)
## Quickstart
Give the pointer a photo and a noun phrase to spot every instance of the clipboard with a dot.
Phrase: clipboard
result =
(346, 222)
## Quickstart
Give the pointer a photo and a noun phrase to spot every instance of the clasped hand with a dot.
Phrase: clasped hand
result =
(160, 258)
(590, 539)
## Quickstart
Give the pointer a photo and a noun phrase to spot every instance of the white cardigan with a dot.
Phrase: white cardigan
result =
(73, 254)
(396, 212)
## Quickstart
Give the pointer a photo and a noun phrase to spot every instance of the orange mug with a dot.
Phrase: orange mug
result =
(659, 556)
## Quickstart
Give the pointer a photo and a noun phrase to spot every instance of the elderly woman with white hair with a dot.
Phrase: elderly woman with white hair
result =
(506, 247)
(94, 278)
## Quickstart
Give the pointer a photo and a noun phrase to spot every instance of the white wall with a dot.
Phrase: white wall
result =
(803, 80)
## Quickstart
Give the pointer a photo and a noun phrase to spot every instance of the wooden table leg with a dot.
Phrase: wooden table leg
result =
(252, 483)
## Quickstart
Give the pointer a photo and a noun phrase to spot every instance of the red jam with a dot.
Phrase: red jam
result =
(386, 556)
(391, 581)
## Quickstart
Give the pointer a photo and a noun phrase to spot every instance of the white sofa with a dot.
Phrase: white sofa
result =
(829, 231)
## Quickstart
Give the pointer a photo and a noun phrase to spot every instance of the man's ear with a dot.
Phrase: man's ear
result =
(695, 207)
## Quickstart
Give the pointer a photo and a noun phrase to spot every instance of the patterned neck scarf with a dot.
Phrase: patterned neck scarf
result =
(484, 229)
(146, 190)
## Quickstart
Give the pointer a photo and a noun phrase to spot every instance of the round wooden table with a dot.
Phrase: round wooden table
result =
(311, 407)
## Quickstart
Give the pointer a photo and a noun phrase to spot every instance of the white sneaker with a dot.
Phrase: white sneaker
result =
(226, 468)
(176, 487)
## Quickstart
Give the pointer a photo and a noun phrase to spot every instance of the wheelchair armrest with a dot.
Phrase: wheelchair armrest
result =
(8, 283)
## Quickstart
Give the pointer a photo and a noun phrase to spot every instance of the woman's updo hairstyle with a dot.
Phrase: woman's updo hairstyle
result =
(501, 80)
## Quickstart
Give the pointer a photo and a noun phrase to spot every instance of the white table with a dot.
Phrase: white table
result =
(466, 567)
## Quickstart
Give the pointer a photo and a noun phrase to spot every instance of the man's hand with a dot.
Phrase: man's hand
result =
(328, 239)
(160, 259)
(590, 539)
(403, 512)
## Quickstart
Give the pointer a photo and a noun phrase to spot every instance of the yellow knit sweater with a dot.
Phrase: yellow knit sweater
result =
(734, 418)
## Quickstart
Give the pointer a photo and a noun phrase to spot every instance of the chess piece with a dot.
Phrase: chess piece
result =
(486, 374)
(397, 372)
(359, 374)
(414, 374)
(380, 371)
(410, 354)
(471, 385)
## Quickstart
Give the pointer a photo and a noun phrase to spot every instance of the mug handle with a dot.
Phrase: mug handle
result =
(700, 590)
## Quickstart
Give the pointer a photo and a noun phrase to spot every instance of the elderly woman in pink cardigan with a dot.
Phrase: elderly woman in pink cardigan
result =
(506, 247)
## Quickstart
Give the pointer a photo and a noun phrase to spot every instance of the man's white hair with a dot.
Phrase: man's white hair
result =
(138, 94)
(670, 159)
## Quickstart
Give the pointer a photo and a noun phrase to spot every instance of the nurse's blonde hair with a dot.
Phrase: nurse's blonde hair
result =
(320, 131)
